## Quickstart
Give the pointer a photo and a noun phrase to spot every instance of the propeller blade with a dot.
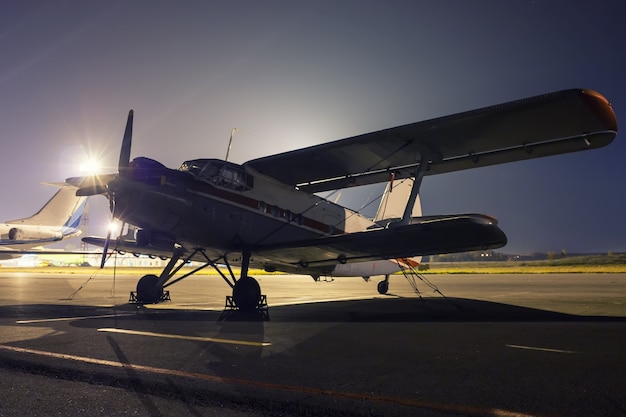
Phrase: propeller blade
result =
(123, 165)
(126, 144)
(107, 241)
(91, 185)
(105, 250)
(91, 190)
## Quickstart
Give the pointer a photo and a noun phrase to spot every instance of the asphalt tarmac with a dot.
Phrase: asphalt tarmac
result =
(482, 345)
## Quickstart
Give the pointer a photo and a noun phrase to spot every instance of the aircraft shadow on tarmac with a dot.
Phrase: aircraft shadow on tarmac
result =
(429, 309)
(423, 310)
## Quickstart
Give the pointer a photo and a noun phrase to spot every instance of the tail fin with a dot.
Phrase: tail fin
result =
(391, 208)
(394, 201)
(63, 209)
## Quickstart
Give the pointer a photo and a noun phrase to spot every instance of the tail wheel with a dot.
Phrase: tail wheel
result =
(247, 294)
(383, 287)
(148, 290)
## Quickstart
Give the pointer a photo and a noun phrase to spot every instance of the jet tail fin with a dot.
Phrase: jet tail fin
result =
(63, 209)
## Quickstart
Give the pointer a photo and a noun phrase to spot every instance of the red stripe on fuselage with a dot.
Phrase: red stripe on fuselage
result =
(210, 191)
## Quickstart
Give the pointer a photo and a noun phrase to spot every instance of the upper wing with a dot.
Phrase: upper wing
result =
(550, 124)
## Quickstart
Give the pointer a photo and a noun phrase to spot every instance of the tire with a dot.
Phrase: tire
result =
(247, 294)
(148, 290)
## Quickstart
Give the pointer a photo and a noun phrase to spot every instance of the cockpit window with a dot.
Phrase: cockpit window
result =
(219, 173)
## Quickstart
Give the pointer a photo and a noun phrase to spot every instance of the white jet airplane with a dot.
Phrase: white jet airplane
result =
(57, 220)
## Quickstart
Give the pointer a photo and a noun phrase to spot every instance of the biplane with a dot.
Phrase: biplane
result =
(267, 213)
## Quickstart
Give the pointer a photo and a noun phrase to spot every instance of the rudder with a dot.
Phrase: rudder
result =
(63, 209)
(394, 200)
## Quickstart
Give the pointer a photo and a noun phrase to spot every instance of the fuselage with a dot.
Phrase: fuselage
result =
(208, 202)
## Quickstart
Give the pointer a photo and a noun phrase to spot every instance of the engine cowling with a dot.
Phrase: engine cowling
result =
(24, 233)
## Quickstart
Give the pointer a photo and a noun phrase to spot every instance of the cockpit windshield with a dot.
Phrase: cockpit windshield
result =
(220, 173)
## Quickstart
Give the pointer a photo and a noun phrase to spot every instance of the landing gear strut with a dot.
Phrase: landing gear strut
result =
(246, 294)
(150, 288)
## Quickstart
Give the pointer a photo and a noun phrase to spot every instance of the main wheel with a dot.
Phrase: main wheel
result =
(148, 290)
(247, 294)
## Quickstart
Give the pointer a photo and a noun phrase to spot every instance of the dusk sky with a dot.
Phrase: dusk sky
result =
(290, 74)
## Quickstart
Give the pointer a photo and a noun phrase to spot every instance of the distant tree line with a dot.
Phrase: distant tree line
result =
(483, 256)
(492, 256)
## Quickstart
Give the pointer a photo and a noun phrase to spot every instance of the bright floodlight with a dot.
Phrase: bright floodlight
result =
(115, 227)
(91, 166)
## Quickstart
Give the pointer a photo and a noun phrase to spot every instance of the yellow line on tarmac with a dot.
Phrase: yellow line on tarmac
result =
(104, 316)
(453, 408)
(540, 349)
(176, 336)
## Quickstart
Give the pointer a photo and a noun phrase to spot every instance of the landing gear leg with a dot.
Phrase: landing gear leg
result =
(383, 286)
(150, 287)
(246, 291)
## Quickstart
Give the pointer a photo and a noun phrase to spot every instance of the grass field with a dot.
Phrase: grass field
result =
(574, 264)
(528, 268)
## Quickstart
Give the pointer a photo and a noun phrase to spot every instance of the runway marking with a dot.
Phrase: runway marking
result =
(103, 316)
(455, 408)
(541, 349)
(177, 336)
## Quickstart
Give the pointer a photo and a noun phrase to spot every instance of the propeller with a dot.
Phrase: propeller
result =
(124, 161)
(107, 241)
(105, 249)
(122, 170)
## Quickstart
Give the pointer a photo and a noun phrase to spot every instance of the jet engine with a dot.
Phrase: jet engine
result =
(25, 232)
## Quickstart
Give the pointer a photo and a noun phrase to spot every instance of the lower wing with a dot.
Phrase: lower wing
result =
(423, 236)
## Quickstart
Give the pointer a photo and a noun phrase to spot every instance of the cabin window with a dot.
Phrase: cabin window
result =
(220, 173)
(235, 179)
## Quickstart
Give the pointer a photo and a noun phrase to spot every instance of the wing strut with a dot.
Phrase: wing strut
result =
(419, 175)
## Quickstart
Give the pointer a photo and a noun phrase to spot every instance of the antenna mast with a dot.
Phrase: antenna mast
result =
(232, 133)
